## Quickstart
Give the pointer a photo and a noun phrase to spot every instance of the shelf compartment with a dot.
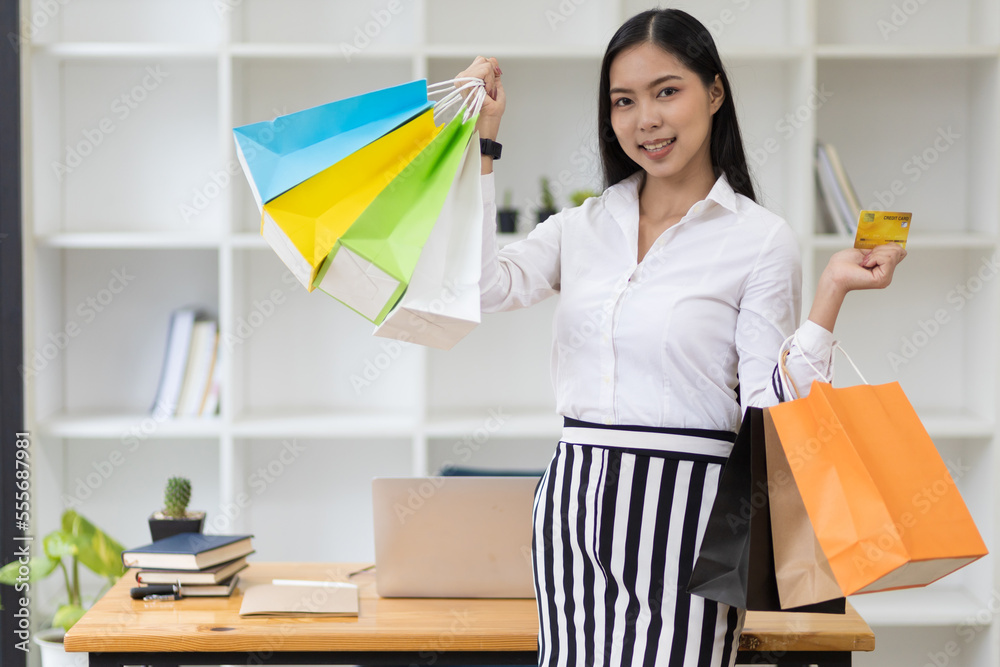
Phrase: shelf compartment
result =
(903, 154)
(90, 155)
(182, 21)
(352, 27)
(117, 486)
(915, 24)
(740, 24)
(522, 22)
(107, 334)
(305, 351)
(541, 141)
(936, 337)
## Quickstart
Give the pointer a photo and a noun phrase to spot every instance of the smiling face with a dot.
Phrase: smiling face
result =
(661, 113)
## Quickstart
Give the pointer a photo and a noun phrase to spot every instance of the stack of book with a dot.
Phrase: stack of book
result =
(201, 565)
(840, 200)
(189, 381)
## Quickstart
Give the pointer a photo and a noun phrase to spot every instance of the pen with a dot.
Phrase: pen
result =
(164, 592)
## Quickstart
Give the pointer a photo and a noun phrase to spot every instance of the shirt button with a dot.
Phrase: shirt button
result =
(609, 421)
(605, 338)
(606, 379)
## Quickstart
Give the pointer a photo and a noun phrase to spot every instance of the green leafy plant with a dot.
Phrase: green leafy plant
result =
(508, 199)
(82, 543)
(548, 200)
(580, 196)
(176, 497)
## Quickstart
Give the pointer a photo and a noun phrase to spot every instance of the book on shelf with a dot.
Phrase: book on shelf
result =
(198, 372)
(332, 599)
(188, 551)
(174, 361)
(838, 194)
(214, 574)
(190, 375)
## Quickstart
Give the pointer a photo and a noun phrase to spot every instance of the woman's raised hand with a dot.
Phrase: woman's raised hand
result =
(488, 70)
(849, 270)
(854, 269)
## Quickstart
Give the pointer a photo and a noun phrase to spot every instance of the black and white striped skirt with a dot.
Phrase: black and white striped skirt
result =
(618, 519)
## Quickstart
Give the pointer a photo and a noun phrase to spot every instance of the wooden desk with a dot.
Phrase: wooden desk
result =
(120, 631)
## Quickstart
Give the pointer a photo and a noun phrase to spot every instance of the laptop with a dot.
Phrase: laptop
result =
(453, 537)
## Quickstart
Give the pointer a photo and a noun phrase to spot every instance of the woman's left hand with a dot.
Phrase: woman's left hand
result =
(854, 269)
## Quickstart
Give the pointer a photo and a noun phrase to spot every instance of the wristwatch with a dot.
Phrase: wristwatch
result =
(490, 147)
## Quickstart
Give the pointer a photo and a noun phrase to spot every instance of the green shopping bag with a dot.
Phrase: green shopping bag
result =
(372, 262)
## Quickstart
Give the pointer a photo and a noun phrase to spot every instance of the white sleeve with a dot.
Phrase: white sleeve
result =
(523, 272)
(769, 312)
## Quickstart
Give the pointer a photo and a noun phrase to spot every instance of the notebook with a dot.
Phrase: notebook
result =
(453, 537)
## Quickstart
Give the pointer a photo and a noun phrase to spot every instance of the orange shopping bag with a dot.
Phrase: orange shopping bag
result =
(861, 501)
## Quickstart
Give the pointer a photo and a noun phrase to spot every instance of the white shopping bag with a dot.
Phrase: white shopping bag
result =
(441, 304)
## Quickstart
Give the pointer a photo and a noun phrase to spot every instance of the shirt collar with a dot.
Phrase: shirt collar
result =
(622, 197)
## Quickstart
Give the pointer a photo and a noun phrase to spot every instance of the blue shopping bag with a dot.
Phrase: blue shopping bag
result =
(279, 154)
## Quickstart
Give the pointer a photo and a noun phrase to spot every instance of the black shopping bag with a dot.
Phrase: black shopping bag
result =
(735, 564)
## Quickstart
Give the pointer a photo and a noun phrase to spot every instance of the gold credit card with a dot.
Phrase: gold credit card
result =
(881, 227)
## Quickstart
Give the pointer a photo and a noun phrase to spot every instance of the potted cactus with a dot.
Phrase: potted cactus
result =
(174, 517)
(548, 206)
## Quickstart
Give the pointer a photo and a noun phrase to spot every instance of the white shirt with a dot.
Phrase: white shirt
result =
(661, 342)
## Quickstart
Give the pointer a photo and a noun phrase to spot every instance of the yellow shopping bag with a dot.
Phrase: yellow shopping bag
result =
(303, 224)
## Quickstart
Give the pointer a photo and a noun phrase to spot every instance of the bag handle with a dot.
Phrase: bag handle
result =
(472, 102)
(783, 354)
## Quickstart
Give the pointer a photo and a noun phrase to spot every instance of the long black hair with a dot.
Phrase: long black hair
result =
(683, 36)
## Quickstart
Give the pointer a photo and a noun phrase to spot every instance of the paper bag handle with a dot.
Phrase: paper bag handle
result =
(783, 354)
(474, 100)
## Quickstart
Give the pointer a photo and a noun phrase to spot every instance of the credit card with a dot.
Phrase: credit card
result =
(881, 227)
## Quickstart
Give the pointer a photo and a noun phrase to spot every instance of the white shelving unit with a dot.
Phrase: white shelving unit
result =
(130, 169)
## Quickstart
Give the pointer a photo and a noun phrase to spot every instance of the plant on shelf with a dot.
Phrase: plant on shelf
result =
(84, 544)
(579, 196)
(174, 517)
(507, 214)
(548, 200)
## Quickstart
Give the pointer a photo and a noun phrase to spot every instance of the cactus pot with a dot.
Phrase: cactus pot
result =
(507, 220)
(161, 526)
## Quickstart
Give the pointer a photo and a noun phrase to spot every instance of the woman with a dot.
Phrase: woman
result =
(677, 294)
